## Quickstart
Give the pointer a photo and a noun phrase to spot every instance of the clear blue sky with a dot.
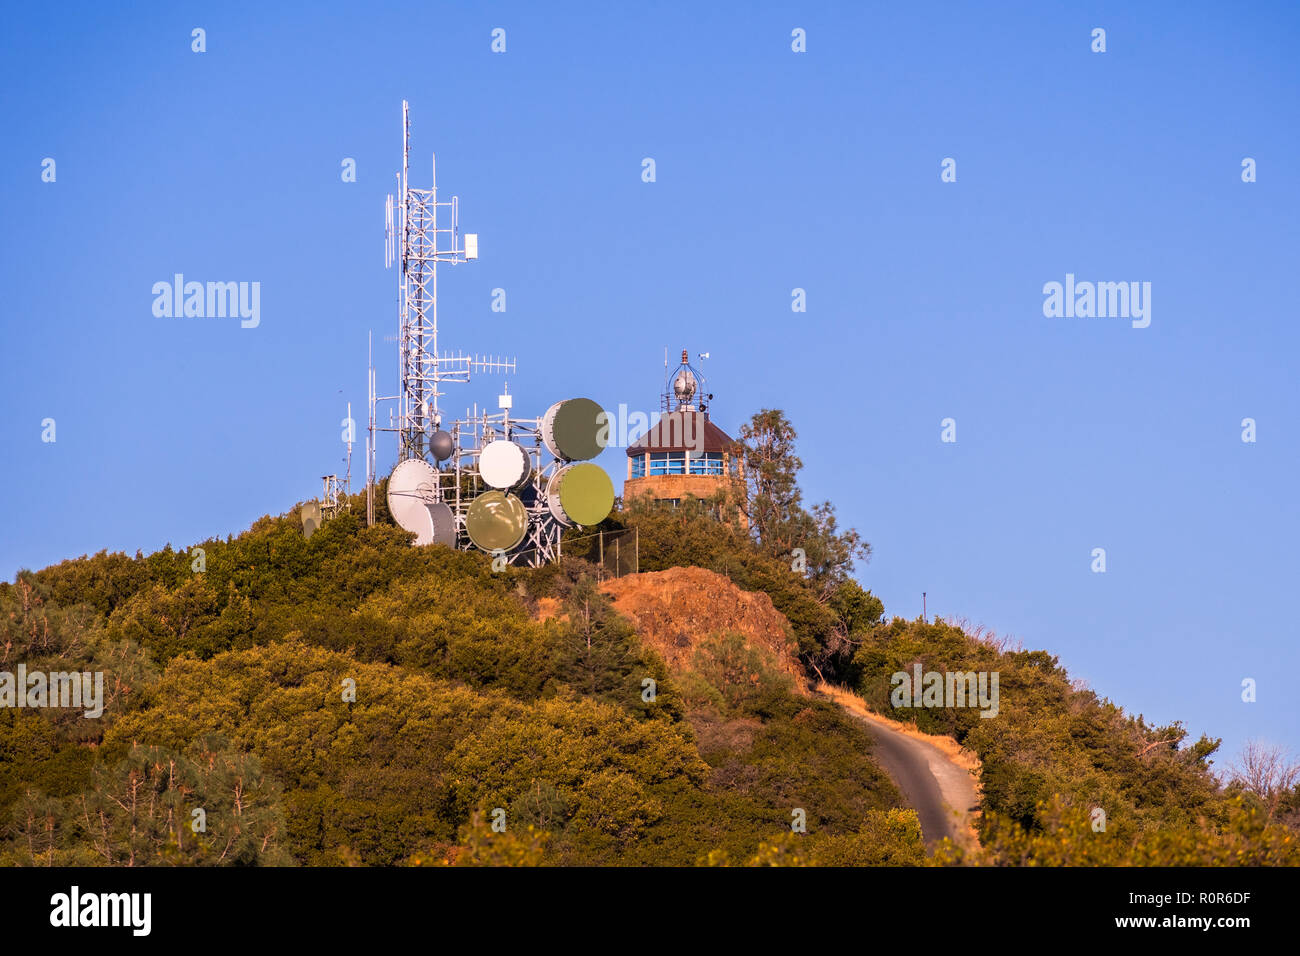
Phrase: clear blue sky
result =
(775, 170)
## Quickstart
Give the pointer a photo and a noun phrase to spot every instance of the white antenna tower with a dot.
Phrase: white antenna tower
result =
(413, 241)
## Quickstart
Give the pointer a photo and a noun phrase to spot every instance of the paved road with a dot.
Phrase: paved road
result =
(941, 791)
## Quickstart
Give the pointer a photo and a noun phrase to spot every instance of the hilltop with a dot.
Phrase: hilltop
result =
(350, 699)
(232, 691)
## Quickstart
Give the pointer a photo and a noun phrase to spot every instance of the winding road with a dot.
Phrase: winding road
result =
(935, 777)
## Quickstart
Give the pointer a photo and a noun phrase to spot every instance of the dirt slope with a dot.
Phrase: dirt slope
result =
(675, 608)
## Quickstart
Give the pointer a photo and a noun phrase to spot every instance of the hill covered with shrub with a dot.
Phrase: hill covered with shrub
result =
(349, 699)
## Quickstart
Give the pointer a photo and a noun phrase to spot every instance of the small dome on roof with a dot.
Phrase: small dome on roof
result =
(684, 385)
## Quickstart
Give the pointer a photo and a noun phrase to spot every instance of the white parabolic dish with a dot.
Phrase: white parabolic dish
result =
(411, 489)
(503, 464)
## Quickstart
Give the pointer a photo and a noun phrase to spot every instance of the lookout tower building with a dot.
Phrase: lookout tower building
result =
(685, 453)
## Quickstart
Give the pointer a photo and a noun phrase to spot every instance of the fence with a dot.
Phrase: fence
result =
(616, 552)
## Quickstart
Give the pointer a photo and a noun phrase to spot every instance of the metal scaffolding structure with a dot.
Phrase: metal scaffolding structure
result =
(416, 242)
(412, 239)
(461, 482)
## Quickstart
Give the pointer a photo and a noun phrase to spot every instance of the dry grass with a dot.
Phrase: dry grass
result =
(1001, 643)
(675, 609)
(547, 608)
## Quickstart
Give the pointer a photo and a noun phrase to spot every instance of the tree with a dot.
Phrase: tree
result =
(1268, 773)
(597, 651)
(771, 470)
(774, 504)
(480, 845)
(209, 806)
(1237, 836)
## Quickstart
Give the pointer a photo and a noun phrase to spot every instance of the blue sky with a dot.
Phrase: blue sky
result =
(775, 170)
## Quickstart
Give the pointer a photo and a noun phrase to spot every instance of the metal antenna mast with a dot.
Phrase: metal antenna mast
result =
(370, 427)
(347, 480)
(421, 367)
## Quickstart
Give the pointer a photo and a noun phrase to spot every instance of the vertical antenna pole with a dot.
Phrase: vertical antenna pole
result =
(370, 432)
(433, 270)
(403, 349)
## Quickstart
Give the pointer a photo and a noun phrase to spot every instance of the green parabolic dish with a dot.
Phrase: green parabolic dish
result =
(577, 426)
(496, 521)
(586, 494)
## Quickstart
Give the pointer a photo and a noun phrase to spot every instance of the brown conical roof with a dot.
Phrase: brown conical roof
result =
(679, 431)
